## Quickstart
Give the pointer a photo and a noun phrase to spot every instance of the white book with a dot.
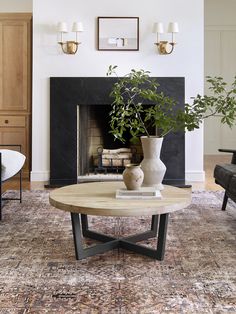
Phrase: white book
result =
(142, 193)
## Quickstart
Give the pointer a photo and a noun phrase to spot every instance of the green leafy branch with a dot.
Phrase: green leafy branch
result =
(130, 112)
(221, 103)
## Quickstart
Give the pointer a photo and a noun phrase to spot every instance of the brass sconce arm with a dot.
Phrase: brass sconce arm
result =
(165, 48)
(69, 47)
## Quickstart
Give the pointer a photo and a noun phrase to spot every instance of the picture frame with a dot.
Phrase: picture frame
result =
(118, 33)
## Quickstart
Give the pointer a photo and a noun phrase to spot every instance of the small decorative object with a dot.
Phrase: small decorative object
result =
(129, 113)
(133, 176)
(151, 164)
(118, 33)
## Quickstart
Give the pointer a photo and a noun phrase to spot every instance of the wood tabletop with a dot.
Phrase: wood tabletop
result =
(98, 198)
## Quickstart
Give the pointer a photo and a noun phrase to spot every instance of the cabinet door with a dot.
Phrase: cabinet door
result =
(14, 65)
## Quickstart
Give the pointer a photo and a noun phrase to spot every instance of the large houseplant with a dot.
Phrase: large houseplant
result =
(130, 114)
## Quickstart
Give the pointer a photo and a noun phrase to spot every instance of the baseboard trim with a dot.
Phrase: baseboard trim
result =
(39, 175)
(189, 176)
(198, 176)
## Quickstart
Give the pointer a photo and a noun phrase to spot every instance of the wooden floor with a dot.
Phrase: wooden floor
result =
(209, 163)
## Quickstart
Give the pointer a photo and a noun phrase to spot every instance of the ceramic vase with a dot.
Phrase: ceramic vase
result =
(152, 166)
(133, 176)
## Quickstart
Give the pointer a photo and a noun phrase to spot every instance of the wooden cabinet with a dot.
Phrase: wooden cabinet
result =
(15, 82)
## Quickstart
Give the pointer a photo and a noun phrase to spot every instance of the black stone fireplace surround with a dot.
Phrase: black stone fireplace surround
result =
(66, 93)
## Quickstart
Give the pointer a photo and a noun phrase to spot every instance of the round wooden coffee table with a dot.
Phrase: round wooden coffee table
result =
(99, 199)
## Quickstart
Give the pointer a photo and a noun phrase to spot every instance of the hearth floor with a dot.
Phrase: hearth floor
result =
(100, 177)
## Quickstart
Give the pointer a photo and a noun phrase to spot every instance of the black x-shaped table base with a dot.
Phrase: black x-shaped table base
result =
(80, 227)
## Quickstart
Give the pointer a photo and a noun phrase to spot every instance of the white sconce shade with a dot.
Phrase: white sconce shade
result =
(77, 27)
(62, 27)
(158, 28)
(173, 27)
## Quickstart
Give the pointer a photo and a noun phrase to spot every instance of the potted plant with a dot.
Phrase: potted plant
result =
(130, 114)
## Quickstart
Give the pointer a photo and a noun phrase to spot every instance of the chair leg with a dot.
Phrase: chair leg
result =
(224, 201)
(20, 186)
(0, 186)
(0, 200)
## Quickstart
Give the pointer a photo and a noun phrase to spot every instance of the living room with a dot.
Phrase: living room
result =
(39, 271)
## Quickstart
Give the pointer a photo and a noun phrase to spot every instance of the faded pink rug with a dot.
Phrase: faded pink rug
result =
(39, 273)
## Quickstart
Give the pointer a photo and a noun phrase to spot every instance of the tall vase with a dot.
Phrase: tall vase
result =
(152, 166)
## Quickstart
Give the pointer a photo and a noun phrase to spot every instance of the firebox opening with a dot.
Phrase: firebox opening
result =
(98, 151)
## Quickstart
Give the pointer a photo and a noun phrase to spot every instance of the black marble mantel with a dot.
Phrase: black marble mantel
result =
(66, 93)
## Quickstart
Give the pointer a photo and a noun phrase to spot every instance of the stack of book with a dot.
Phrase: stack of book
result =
(142, 193)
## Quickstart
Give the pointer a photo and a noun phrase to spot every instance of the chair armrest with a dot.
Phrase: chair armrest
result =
(233, 151)
(227, 150)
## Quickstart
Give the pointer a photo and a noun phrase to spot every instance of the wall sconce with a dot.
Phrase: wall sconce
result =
(165, 47)
(69, 47)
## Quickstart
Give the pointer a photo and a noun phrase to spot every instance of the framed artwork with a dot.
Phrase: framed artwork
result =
(118, 33)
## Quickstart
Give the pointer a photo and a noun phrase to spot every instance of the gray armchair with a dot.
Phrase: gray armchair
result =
(225, 176)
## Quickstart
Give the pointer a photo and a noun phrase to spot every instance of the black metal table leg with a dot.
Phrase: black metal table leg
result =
(161, 240)
(93, 234)
(80, 226)
(154, 223)
(81, 252)
(147, 234)
(76, 229)
(84, 222)
(157, 253)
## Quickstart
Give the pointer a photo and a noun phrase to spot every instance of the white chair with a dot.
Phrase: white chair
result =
(11, 164)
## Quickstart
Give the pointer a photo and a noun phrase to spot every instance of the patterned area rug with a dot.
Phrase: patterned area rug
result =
(39, 273)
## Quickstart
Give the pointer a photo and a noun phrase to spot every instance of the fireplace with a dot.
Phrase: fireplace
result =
(75, 99)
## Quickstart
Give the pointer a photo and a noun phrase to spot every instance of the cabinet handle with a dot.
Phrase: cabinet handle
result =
(6, 121)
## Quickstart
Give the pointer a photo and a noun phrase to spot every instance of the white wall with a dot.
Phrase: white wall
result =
(16, 5)
(186, 61)
(220, 46)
